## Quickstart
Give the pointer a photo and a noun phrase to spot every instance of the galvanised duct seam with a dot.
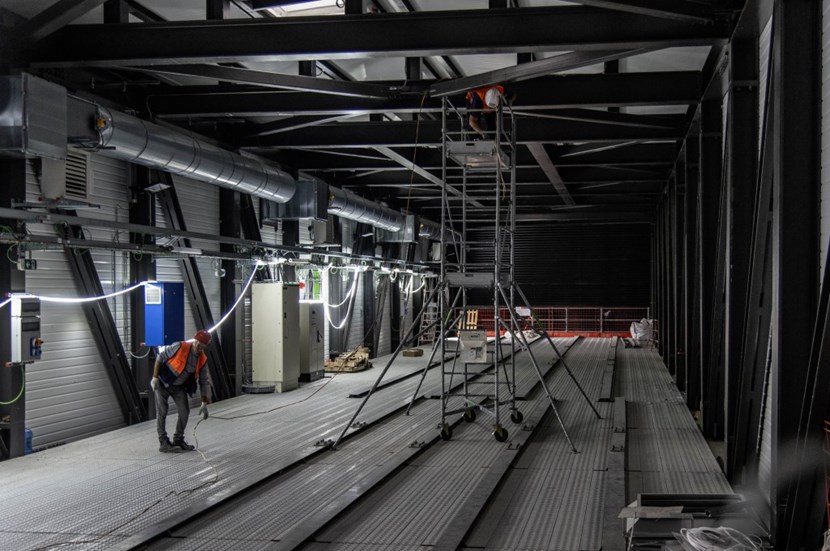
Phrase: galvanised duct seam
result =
(141, 142)
(354, 207)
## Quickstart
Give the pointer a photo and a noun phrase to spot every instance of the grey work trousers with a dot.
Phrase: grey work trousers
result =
(182, 404)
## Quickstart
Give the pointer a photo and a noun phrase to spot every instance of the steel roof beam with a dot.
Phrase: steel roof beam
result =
(274, 80)
(598, 90)
(399, 134)
(56, 16)
(533, 69)
(365, 36)
(679, 10)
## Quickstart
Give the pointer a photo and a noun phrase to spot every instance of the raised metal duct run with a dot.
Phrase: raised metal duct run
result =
(132, 139)
(432, 230)
(354, 207)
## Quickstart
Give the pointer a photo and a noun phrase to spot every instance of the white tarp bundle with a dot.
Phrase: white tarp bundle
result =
(641, 331)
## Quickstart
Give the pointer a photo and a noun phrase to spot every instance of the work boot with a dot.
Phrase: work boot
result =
(185, 447)
(166, 447)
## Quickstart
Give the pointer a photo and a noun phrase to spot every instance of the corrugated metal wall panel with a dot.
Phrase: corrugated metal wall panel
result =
(69, 395)
(577, 265)
(200, 207)
(765, 459)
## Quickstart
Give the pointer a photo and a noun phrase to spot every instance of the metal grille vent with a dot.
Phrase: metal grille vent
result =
(77, 175)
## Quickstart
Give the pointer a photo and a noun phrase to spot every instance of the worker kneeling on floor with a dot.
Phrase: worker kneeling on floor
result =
(175, 373)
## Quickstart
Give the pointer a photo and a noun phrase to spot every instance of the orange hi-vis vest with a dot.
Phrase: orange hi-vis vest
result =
(481, 92)
(177, 364)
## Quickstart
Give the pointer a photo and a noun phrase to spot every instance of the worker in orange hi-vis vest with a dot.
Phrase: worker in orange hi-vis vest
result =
(481, 107)
(175, 373)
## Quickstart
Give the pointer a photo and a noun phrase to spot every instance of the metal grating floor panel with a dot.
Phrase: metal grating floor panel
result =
(550, 499)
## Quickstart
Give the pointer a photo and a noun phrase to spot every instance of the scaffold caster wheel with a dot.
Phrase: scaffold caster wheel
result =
(500, 433)
(446, 432)
(516, 416)
(469, 415)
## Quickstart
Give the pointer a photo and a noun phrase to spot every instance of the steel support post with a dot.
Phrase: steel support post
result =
(668, 277)
(745, 425)
(221, 375)
(679, 270)
(741, 178)
(142, 268)
(230, 330)
(102, 327)
(796, 109)
(710, 263)
(116, 11)
(12, 411)
(691, 336)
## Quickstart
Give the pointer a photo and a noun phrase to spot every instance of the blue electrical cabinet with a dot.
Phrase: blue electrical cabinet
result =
(163, 313)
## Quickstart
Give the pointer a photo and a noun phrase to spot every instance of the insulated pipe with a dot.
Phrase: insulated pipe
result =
(131, 139)
(354, 207)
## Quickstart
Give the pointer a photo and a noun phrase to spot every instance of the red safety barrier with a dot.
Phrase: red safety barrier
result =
(570, 321)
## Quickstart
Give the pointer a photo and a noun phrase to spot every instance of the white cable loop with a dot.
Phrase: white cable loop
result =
(238, 299)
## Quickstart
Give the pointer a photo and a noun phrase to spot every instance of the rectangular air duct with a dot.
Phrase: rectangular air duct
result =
(32, 117)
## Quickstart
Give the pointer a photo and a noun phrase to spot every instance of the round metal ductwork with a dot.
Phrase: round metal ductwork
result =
(141, 142)
(432, 230)
(354, 207)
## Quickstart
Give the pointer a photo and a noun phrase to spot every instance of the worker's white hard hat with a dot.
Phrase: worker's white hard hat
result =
(491, 98)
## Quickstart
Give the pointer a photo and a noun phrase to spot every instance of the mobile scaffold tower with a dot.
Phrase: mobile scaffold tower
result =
(476, 379)
(480, 379)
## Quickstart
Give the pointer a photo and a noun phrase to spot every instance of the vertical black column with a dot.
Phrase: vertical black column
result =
(142, 268)
(708, 214)
(679, 269)
(741, 178)
(691, 325)
(796, 115)
(669, 247)
(229, 226)
(12, 437)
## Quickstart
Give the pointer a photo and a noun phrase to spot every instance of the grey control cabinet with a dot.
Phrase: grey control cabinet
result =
(275, 334)
(312, 331)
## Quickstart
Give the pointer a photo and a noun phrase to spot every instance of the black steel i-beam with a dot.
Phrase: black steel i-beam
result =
(250, 228)
(12, 435)
(679, 271)
(229, 226)
(708, 201)
(692, 334)
(796, 75)
(102, 326)
(741, 178)
(221, 374)
(142, 268)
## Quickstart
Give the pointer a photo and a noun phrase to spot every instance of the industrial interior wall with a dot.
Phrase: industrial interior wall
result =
(200, 208)
(765, 457)
(69, 395)
(577, 264)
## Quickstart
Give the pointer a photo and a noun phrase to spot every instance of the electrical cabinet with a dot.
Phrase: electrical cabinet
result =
(276, 334)
(25, 329)
(312, 329)
(163, 313)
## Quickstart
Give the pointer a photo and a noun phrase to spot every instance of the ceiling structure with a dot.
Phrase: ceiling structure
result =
(606, 89)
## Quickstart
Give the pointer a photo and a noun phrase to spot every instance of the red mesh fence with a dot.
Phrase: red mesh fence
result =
(573, 320)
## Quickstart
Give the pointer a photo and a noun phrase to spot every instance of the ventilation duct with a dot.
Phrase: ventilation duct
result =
(354, 207)
(141, 142)
(432, 230)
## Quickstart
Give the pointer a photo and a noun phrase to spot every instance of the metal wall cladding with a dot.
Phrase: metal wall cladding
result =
(200, 207)
(385, 328)
(575, 265)
(69, 395)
